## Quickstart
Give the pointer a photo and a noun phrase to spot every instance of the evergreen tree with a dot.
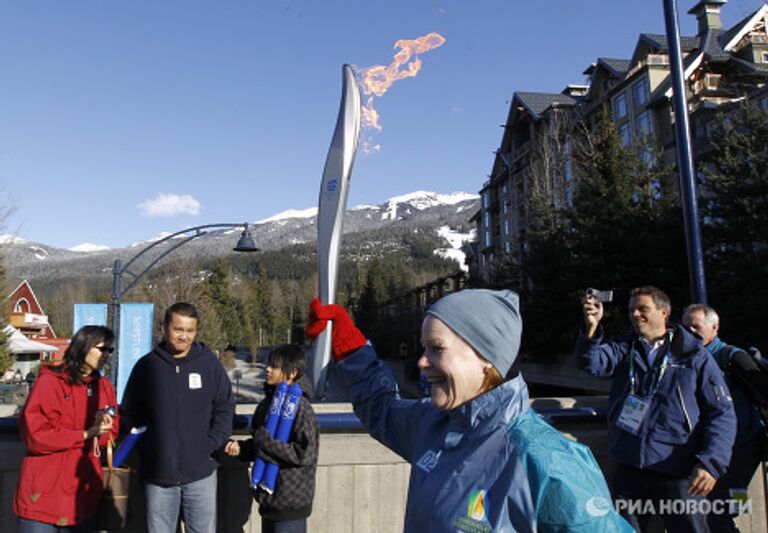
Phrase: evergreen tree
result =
(6, 358)
(260, 310)
(372, 295)
(225, 305)
(210, 329)
(620, 231)
(735, 231)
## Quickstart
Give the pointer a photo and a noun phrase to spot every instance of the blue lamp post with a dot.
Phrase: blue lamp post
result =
(685, 166)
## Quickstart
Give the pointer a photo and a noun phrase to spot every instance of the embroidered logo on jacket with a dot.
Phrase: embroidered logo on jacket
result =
(429, 460)
(476, 508)
(476, 520)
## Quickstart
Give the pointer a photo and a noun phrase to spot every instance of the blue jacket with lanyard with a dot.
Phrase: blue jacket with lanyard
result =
(490, 465)
(688, 415)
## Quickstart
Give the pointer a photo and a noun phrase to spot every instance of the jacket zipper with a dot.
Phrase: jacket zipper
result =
(685, 411)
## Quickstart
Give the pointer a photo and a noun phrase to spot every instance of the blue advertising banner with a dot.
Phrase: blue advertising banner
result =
(89, 315)
(135, 340)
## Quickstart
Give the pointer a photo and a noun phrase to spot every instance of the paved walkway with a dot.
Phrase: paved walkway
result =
(250, 387)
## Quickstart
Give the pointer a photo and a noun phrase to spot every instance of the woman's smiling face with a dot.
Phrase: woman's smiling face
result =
(452, 366)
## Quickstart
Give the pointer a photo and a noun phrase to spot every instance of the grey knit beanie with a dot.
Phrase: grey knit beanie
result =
(488, 320)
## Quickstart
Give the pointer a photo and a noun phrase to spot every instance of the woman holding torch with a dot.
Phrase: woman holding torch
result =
(481, 459)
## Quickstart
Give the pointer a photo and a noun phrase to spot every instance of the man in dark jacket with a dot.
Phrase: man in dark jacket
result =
(671, 419)
(704, 321)
(181, 393)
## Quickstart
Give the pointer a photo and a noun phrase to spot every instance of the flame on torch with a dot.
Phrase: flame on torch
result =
(376, 80)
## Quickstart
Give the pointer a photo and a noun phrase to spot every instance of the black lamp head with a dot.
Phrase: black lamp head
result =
(246, 242)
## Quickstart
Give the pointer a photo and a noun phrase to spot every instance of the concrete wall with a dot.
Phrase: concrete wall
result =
(361, 486)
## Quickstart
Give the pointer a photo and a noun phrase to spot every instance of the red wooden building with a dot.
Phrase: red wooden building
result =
(26, 315)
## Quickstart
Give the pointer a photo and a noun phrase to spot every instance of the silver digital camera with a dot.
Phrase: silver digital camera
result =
(600, 296)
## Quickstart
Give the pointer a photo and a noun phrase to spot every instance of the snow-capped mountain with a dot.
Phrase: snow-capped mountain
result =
(367, 226)
(88, 247)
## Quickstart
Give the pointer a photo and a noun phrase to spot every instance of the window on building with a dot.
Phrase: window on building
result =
(22, 306)
(486, 199)
(625, 133)
(698, 129)
(656, 191)
(712, 81)
(506, 227)
(507, 248)
(488, 240)
(764, 57)
(643, 124)
(764, 103)
(648, 157)
(620, 106)
(640, 92)
(567, 169)
(487, 220)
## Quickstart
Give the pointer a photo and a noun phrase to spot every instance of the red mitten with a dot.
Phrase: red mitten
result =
(346, 338)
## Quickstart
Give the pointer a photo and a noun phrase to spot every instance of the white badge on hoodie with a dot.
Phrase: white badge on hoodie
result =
(195, 381)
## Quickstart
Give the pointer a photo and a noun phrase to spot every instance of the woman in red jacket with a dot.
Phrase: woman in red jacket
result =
(68, 416)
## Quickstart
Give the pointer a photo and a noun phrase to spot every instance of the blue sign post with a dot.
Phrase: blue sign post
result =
(135, 340)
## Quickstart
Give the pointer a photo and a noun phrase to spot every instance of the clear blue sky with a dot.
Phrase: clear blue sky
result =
(231, 104)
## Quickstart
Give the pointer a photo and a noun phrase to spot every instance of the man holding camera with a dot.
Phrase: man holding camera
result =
(704, 321)
(671, 419)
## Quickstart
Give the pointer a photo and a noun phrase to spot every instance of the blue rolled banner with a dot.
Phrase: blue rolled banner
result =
(127, 445)
(287, 416)
(271, 424)
(89, 315)
(135, 340)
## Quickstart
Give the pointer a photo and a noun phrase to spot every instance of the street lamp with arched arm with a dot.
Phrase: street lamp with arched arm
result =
(244, 244)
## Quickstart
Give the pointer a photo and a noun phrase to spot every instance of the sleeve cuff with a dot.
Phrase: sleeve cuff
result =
(712, 466)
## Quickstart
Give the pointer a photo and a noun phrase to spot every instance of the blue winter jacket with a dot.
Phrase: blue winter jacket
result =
(489, 465)
(690, 418)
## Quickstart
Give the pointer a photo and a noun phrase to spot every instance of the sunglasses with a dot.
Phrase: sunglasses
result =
(105, 349)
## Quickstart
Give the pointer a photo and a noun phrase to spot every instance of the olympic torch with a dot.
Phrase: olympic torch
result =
(330, 217)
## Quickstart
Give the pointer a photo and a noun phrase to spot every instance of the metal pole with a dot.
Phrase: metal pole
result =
(115, 312)
(685, 166)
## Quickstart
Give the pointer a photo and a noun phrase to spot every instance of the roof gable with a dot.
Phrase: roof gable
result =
(732, 37)
(653, 43)
(538, 103)
(24, 291)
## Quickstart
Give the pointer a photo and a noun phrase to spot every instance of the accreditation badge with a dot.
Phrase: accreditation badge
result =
(632, 414)
(195, 381)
